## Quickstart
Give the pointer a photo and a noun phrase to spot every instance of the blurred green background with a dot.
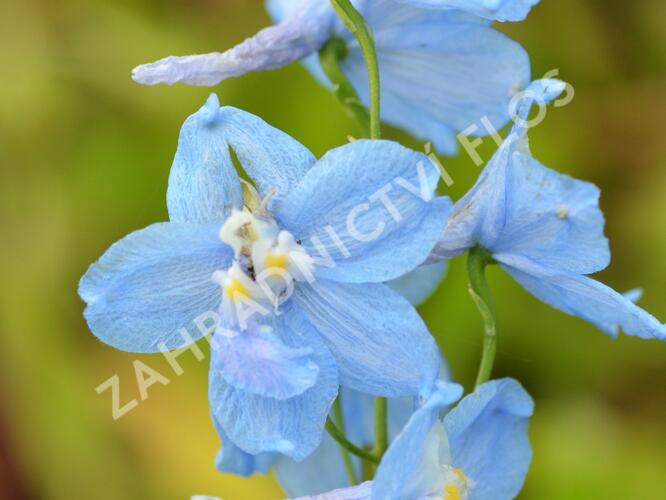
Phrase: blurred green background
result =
(85, 154)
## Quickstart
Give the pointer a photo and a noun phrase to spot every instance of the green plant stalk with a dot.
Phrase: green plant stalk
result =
(348, 445)
(381, 427)
(346, 458)
(477, 261)
(330, 55)
(357, 25)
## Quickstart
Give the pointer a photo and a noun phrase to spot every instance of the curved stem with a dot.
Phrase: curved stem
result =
(357, 25)
(477, 261)
(348, 445)
(340, 421)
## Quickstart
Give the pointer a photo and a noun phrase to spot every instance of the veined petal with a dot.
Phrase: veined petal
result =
(359, 492)
(231, 459)
(257, 361)
(411, 467)
(370, 207)
(441, 72)
(153, 283)
(273, 47)
(275, 161)
(494, 10)
(291, 426)
(488, 440)
(380, 343)
(203, 184)
(418, 285)
(583, 297)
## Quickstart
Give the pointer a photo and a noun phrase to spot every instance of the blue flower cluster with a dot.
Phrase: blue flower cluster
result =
(307, 274)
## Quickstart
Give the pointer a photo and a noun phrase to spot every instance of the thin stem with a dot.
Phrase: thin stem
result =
(477, 261)
(348, 445)
(357, 25)
(346, 458)
(381, 427)
(330, 55)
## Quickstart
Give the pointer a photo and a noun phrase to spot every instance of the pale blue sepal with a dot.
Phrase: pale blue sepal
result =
(583, 297)
(272, 47)
(256, 360)
(441, 72)
(488, 439)
(418, 285)
(380, 343)
(232, 460)
(411, 468)
(152, 283)
(291, 426)
(359, 492)
(494, 10)
(203, 184)
(362, 202)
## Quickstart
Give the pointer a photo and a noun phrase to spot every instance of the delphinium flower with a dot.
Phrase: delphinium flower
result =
(294, 265)
(545, 229)
(442, 70)
(479, 451)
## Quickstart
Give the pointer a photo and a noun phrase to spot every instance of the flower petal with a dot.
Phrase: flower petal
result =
(291, 426)
(441, 73)
(488, 438)
(418, 285)
(272, 47)
(256, 360)
(274, 161)
(411, 467)
(151, 284)
(231, 459)
(380, 343)
(359, 492)
(203, 183)
(370, 207)
(494, 10)
(583, 297)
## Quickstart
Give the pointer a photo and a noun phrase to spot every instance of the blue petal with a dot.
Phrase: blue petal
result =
(274, 161)
(340, 199)
(494, 10)
(380, 343)
(203, 183)
(273, 47)
(583, 297)
(231, 459)
(359, 492)
(519, 206)
(152, 283)
(411, 467)
(488, 438)
(291, 426)
(256, 360)
(441, 72)
(418, 285)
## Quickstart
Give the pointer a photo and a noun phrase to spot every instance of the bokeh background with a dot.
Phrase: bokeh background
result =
(85, 154)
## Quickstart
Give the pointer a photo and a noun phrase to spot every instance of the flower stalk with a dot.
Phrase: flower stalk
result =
(477, 261)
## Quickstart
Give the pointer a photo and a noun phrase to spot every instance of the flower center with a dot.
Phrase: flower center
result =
(267, 262)
(457, 485)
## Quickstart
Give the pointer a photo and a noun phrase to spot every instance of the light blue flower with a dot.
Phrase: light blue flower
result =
(480, 451)
(441, 71)
(296, 277)
(546, 230)
(495, 10)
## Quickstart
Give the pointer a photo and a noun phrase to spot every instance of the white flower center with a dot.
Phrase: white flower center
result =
(457, 486)
(266, 264)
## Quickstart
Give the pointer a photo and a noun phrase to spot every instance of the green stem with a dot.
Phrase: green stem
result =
(477, 261)
(346, 458)
(348, 445)
(330, 55)
(381, 427)
(357, 25)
